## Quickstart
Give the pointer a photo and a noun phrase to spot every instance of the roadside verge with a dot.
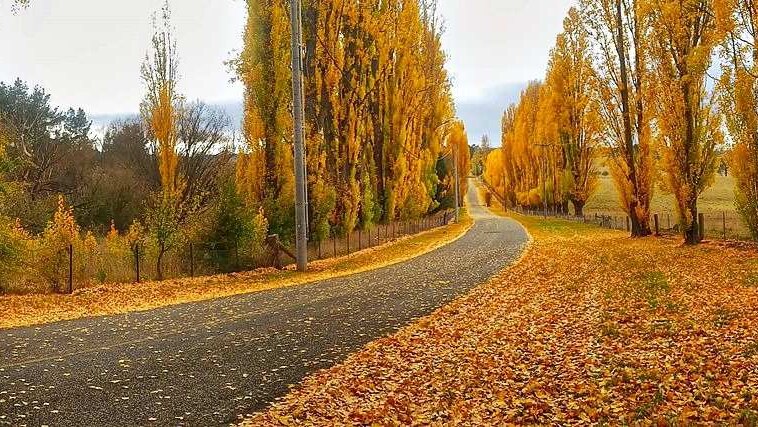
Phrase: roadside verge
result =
(110, 299)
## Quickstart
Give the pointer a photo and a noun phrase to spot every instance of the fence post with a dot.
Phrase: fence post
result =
(348, 242)
(319, 248)
(701, 225)
(192, 259)
(237, 254)
(657, 225)
(136, 259)
(334, 244)
(70, 268)
(723, 218)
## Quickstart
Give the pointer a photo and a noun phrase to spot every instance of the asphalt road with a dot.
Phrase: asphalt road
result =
(210, 362)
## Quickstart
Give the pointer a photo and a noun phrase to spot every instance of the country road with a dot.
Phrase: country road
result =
(210, 362)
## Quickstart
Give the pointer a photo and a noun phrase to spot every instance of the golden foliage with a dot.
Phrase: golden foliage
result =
(160, 108)
(739, 102)
(377, 106)
(620, 34)
(689, 127)
(550, 138)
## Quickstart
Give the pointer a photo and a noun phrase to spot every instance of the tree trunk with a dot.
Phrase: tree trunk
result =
(578, 208)
(159, 264)
(692, 231)
(640, 226)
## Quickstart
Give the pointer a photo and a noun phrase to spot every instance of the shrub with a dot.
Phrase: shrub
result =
(12, 253)
(52, 249)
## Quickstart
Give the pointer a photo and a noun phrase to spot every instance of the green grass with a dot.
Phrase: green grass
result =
(654, 285)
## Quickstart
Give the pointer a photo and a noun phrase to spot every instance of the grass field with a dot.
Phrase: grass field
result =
(717, 204)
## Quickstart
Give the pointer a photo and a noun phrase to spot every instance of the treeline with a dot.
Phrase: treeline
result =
(630, 81)
(381, 140)
(378, 114)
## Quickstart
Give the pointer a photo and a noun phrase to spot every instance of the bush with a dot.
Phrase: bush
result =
(231, 224)
(52, 249)
(12, 253)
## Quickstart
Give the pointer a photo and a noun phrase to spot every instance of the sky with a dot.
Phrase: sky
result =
(87, 53)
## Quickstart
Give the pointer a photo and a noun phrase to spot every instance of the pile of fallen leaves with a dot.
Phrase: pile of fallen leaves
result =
(590, 327)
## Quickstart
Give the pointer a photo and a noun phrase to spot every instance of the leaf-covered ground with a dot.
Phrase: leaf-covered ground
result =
(589, 328)
(25, 310)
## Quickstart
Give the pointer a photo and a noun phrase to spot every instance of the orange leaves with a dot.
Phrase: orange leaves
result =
(160, 107)
(590, 328)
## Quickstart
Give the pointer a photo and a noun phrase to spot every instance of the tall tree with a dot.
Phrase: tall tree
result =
(263, 66)
(162, 103)
(160, 111)
(573, 102)
(458, 145)
(739, 96)
(620, 29)
(685, 34)
(377, 106)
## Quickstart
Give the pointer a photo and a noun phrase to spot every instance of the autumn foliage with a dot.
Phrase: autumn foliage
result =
(739, 96)
(378, 113)
(551, 138)
(629, 85)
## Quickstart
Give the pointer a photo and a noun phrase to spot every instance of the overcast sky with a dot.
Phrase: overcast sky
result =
(87, 53)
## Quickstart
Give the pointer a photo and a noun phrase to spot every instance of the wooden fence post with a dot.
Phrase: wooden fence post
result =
(192, 259)
(348, 243)
(701, 225)
(723, 221)
(657, 225)
(136, 260)
(70, 268)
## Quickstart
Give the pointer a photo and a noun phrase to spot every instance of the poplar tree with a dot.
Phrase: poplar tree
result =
(684, 36)
(620, 29)
(739, 103)
(160, 112)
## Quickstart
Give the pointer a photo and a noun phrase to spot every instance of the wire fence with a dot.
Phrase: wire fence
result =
(715, 225)
(75, 267)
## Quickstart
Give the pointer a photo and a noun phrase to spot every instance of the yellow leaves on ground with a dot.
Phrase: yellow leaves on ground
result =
(589, 328)
(25, 310)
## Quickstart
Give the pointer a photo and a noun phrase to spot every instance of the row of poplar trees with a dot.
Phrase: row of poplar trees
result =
(656, 87)
(379, 114)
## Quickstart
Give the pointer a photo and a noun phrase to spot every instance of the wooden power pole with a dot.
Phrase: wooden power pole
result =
(298, 113)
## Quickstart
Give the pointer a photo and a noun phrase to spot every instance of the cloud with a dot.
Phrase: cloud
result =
(482, 115)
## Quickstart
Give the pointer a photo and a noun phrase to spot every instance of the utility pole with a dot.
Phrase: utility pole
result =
(457, 185)
(298, 113)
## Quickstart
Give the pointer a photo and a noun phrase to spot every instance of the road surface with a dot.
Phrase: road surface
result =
(210, 362)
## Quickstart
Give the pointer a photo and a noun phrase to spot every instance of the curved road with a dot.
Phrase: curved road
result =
(210, 362)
